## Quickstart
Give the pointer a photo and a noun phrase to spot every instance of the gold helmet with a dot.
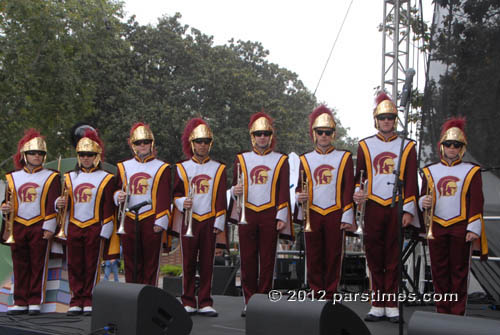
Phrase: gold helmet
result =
(195, 129)
(384, 106)
(453, 130)
(261, 122)
(91, 143)
(321, 117)
(138, 132)
(31, 141)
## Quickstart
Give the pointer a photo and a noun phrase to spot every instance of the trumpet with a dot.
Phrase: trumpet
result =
(307, 218)
(429, 214)
(9, 217)
(360, 210)
(241, 198)
(61, 215)
(188, 213)
(121, 210)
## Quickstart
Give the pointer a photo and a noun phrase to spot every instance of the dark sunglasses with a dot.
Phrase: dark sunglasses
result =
(35, 152)
(326, 132)
(260, 133)
(455, 144)
(386, 117)
(203, 140)
(87, 154)
(140, 142)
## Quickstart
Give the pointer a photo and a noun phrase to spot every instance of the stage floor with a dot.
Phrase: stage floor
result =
(228, 322)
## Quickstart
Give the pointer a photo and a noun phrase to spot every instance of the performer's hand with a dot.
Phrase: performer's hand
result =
(359, 197)
(61, 202)
(217, 230)
(47, 234)
(157, 229)
(471, 236)
(407, 218)
(121, 197)
(238, 189)
(301, 197)
(188, 203)
(6, 207)
(348, 227)
(280, 225)
(427, 202)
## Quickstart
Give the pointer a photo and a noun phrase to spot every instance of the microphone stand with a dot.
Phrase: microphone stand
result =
(397, 193)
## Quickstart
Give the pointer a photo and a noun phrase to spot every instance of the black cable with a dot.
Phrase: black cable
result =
(333, 47)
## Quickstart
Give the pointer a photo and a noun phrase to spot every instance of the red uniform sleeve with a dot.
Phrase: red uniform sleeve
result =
(179, 189)
(348, 184)
(107, 203)
(410, 189)
(163, 196)
(283, 186)
(475, 198)
(220, 209)
(360, 165)
(52, 194)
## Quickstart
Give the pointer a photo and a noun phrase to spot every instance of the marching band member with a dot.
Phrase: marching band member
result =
(378, 156)
(34, 190)
(147, 179)
(457, 222)
(90, 207)
(199, 193)
(265, 189)
(329, 174)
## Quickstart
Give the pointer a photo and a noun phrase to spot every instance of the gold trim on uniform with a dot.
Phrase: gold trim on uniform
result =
(368, 162)
(340, 175)
(43, 199)
(215, 188)
(272, 201)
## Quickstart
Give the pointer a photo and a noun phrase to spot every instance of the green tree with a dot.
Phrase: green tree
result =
(54, 57)
(468, 44)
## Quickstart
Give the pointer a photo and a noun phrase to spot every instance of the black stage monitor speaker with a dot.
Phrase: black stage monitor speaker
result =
(265, 317)
(134, 309)
(428, 323)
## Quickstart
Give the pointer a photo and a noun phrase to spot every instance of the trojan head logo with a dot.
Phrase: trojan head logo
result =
(139, 183)
(83, 192)
(384, 163)
(447, 186)
(27, 192)
(323, 174)
(259, 175)
(201, 184)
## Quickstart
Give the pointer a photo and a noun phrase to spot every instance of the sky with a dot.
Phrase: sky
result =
(299, 36)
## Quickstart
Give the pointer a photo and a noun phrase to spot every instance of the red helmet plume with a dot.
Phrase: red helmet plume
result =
(381, 97)
(268, 125)
(453, 130)
(94, 136)
(188, 129)
(29, 134)
(458, 122)
(314, 115)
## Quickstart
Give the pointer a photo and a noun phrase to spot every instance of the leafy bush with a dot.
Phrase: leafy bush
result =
(171, 270)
